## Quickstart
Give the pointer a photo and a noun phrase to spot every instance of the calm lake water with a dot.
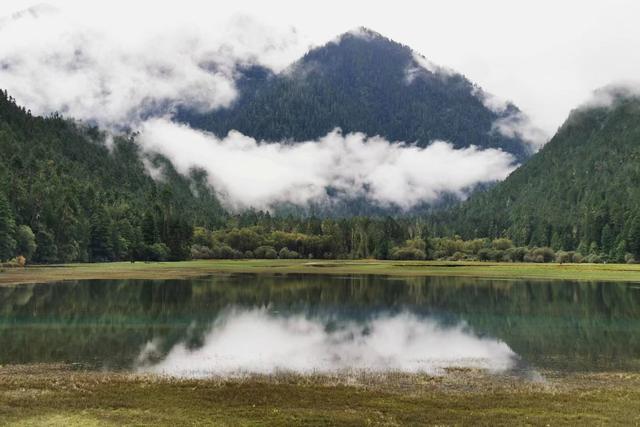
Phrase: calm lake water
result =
(268, 323)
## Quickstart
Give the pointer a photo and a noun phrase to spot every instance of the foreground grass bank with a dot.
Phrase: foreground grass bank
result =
(184, 269)
(57, 395)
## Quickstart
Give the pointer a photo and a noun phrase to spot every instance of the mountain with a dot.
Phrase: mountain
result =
(70, 194)
(362, 82)
(580, 192)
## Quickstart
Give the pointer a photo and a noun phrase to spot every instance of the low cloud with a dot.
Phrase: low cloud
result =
(606, 96)
(512, 122)
(256, 342)
(519, 125)
(249, 173)
(420, 65)
(115, 75)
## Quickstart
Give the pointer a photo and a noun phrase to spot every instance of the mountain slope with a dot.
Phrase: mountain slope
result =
(84, 201)
(581, 191)
(367, 83)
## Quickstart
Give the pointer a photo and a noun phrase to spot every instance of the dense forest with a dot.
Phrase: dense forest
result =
(362, 82)
(580, 192)
(68, 194)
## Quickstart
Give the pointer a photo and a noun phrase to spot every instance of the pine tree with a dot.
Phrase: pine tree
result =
(634, 237)
(100, 243)
(7, 230)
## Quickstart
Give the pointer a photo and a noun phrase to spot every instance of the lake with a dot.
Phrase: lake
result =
(242, 323)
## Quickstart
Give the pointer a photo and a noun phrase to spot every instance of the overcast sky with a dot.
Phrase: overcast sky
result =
(546, 56)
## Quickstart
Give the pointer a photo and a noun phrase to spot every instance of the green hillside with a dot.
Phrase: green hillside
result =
(66, 196)
(580, 192)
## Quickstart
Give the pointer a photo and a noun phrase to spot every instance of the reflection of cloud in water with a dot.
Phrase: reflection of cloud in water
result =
(258, 342)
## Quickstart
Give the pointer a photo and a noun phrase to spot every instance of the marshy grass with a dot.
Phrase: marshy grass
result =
(187, 269)
(61, 395)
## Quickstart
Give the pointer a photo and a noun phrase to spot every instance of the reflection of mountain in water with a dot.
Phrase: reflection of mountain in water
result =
(550, 324)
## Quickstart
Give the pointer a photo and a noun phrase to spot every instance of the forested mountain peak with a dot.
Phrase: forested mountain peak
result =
(364, 82)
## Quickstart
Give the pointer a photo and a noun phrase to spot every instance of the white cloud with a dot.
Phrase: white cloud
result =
(246, 172)
(256, 342)
(495, 43)
(607, 95)
(512, 123)
(421, 64)
(95, 69)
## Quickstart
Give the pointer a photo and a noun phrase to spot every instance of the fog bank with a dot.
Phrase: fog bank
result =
(249, 173)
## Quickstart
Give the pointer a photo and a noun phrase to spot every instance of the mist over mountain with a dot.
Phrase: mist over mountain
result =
(580, 192)
(364, 82)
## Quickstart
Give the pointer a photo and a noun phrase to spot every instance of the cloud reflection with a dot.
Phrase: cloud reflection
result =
(258, 342)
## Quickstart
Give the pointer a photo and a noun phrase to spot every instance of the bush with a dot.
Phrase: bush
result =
(157, 252)
(265, 252)
(285, 253)
(484, 254)
(563, 257)
(515, 254)
(407, 253)
(593, 259)
(201, 252)
(544, 254)
(249, 254)
(502, 244)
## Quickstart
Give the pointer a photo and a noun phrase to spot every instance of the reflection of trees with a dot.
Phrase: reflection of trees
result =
(563, 323)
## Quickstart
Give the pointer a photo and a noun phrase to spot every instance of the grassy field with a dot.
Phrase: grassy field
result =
(173, 270)
(56, 395)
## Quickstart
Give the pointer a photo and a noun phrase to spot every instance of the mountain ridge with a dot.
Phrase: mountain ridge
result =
(362, 82)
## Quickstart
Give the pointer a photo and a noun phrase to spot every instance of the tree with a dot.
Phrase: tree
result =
(634, 237)
(382, 249)
(46, 250)
(150, 231)
(100, 243)
(25, 242)
(7, 230)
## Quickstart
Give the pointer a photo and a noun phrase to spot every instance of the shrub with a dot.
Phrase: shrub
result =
(407, 253)
(501, 244)
(201, 252)
(544, 254)
(285, 253)
(593, 259)
(265, 252)
(484, 254)
(157, 252)
(515, 254)
(563, 257)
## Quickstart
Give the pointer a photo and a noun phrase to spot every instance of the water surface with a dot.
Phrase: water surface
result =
(313, 323)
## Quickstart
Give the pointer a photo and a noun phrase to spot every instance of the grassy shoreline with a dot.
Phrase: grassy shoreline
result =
(185, 269)
(59, 395)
